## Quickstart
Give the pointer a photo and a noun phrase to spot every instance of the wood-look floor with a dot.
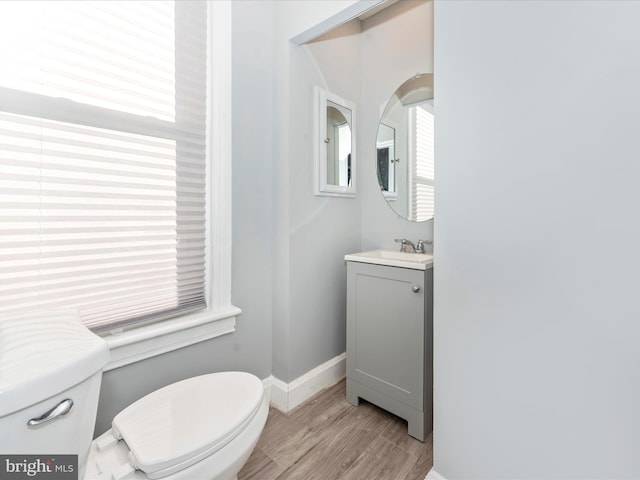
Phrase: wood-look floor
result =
(327, 438)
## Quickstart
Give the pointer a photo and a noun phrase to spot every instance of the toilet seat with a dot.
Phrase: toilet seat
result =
(178, 425)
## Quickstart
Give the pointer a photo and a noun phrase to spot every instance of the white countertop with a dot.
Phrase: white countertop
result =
(393, 258)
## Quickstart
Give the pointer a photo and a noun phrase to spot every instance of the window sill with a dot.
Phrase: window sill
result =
(155, 339)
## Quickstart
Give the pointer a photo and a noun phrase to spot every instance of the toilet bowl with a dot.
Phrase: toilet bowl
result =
(201, 428)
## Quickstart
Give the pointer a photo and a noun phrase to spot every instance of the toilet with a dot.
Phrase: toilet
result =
(201, 428)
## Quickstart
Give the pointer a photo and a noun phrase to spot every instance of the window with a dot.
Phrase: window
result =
(103, 158)
(421, 148)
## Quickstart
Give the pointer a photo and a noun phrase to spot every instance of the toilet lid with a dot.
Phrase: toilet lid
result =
(178, 425)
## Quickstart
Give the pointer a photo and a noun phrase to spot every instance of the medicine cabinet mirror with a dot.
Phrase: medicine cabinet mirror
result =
(404, 149)
(334, 145)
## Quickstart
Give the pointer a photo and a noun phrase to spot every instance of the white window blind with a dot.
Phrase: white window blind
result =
(102, 158)
(422, 176)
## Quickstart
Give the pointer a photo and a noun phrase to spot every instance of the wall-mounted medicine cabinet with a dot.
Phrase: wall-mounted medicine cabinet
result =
(334, 145)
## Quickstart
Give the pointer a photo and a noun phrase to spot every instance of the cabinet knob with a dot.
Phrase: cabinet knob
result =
(415, 288)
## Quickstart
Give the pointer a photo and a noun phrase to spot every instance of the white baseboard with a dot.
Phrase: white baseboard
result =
(266, 383)
(279, 395)
(286, 396)
(433, 475)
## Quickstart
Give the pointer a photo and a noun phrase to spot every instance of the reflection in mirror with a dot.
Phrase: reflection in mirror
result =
(334, 145)
(405, 156)
(385, 145)
(338, 146)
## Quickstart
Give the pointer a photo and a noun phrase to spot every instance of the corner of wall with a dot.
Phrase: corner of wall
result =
(433, 475)
(286, 396)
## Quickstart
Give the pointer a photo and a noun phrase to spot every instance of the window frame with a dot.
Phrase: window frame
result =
(219, 318)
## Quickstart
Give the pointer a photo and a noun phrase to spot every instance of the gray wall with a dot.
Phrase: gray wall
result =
(396, 44)
(249, 348)
(322, 229)
(359, 61)
(293, 17)
(536, 310)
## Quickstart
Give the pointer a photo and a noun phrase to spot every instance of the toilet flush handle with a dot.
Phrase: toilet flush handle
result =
(59, 410)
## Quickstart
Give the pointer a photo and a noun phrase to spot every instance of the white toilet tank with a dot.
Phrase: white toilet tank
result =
(49, 361)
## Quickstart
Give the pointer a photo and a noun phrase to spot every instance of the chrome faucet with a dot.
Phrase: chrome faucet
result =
(408, 246)
(421, 244)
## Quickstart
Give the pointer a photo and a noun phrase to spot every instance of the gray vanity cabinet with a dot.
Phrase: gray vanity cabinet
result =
(390, 341)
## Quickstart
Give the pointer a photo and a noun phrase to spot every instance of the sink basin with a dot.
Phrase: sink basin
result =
(393, 258)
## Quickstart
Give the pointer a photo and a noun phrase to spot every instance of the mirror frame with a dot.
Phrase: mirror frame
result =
(322, 187)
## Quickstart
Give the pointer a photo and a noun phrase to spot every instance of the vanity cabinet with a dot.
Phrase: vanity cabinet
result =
(390, 341)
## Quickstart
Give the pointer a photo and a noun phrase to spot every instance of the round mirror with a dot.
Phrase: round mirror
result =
(404, 147)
